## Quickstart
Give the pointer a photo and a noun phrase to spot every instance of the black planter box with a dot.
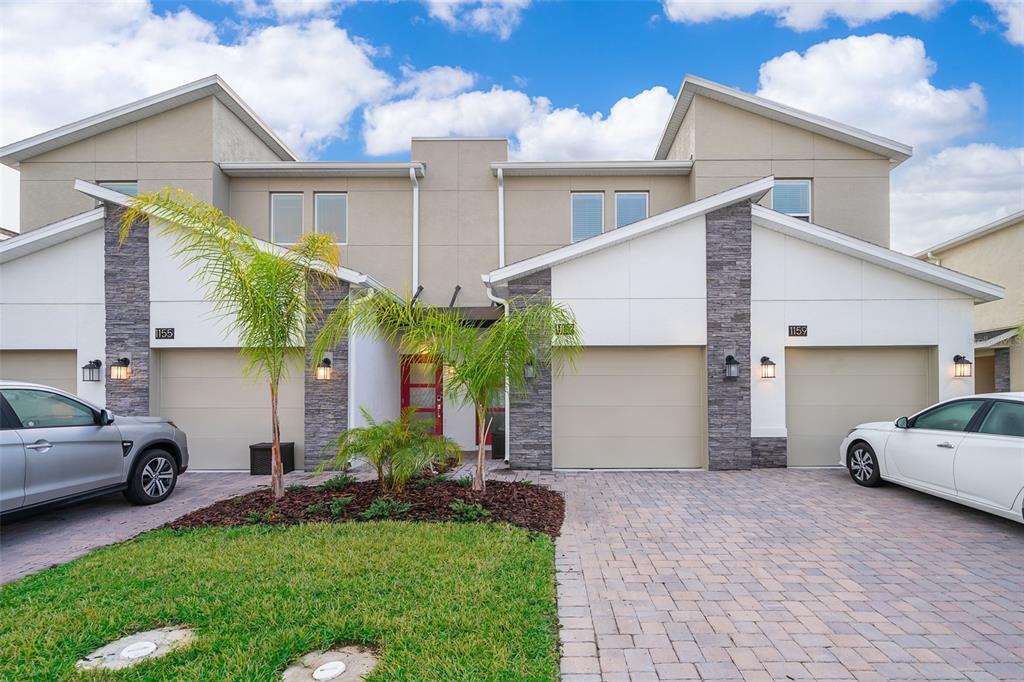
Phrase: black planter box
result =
(261, 454)
(498, 443)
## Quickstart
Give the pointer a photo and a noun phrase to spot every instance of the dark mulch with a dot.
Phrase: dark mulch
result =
(521, 504)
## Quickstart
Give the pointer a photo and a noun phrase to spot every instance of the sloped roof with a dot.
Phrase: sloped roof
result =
(989, 228)
(692, 85)
(51, 235)
(144, 108)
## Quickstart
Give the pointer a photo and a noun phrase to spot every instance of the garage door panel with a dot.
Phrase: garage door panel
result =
(627, 452)
(642, 362)
(626, 390)
(882, 390)
(640, 422)
(56, 368)
(856, 362)
(214, 393)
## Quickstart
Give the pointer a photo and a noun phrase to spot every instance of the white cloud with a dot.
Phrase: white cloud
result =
(304, 79)
(500, 17)
(288, 9)
(879, 83)
(537, 130)
(437, 81)
(1011, 13)
(954, 191)
(799, 15)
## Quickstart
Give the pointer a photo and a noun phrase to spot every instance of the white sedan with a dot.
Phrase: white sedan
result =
(969, 450)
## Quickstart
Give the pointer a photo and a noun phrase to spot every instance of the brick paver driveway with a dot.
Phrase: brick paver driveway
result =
(32, 543)
(783, 574)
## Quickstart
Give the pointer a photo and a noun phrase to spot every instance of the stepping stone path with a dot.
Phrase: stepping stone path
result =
(344, 664)
(134, 649)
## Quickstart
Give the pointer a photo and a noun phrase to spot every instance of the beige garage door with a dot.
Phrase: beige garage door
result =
(57, 368)
(830, 390)
(630, 407)
(220, 409)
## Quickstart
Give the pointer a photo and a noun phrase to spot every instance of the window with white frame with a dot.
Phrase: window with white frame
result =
(793, 197)
(587, 215)
(330, 215)
(630, 207)
(129, 187)
(285, 217)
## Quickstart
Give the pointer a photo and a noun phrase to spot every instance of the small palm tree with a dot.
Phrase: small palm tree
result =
(397, 449)
(480, 362)
(259, 289)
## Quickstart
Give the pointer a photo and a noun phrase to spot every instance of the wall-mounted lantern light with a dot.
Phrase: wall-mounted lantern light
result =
(529, 372)
(767, 367)
(323, 370)
(120, 369)
(91, 370)
(961, 366)
(732, 367)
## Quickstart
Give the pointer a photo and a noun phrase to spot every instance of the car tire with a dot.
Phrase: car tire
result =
(153, 478)
(862, 463)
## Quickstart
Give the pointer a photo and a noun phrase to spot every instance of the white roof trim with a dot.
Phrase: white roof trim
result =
(312, 169)
(989, 228)
(997, 340)
(104, 194)
(750, 191)
(51, 235)
(561, 168)
(896, 152)
(136, 111)
(980, 290)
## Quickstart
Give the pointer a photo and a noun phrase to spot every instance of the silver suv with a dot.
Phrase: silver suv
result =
(56, 447)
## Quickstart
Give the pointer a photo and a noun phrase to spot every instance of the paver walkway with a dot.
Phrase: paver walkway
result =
(783, 574)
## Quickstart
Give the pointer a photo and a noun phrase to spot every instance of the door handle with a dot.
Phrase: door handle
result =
(39, 445)
(944, 445)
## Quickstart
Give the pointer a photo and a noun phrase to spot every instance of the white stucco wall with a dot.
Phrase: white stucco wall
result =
(53, 300)
(374, 379)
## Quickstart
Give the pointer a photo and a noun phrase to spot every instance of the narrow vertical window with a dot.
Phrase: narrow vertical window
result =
(587, 215)
(630, 207)
(793, 197)
(129, 187)
(330, 215)
(285, 218)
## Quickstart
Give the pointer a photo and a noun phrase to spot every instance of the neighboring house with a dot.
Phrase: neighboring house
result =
(757, 231)
(996, 252)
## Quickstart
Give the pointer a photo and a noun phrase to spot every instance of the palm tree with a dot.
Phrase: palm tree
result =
(265, 293)
(481, 363)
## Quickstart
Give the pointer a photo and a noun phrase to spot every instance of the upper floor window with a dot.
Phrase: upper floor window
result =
(587, 215)
(129, 187)
(793, 197)
(630, 207)
(330, 215)
(285, 217)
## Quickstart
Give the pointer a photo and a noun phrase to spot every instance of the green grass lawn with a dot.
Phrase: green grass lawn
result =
(439, 602)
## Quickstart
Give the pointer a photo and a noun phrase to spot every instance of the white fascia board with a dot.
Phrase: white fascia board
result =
(104, 194)
(988, 228)
(315, 169)
(591, 168)
(979, 289)
(999, 340)
(50, 235)
(752, 191)
(896, 152)
(144, 108)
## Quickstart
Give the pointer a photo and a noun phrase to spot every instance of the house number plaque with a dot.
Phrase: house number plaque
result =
(798, 330)
(165, 332)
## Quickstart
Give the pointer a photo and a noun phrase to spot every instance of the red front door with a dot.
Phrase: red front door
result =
(423, 390)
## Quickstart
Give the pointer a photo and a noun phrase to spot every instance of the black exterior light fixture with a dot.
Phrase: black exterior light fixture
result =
(323, 370)
(91, 370)
(961, 367)
(732, 367)
(529, 372)
(120, 369)
(767, 367)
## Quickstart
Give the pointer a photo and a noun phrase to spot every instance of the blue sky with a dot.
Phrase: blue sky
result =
(354, 80)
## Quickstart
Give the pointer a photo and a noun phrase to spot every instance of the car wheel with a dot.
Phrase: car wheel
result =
(153, 479)
(863, 465)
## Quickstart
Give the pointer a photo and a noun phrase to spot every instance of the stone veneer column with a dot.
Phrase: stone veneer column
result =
(1002, 369)
(126, 293)
(728, 327)
(325, 402)
(530, 414)
(768, 453)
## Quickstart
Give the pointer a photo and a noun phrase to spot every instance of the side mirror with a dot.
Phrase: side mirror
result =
(902, 423)
(106, 418)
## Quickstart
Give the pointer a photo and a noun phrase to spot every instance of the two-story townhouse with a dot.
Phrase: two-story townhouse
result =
(737, 301)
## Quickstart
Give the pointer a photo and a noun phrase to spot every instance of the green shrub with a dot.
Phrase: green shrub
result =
(338, 505)
(468, 513)
(465, 481)
(258, 517)
(428, 481)
(292, 487)
(383, 508)
(316, 508)
(337, 482)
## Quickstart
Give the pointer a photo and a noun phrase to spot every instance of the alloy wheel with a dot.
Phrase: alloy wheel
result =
(862, 464)
(157, 476)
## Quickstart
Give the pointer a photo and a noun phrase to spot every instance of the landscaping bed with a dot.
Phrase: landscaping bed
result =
(521, 504)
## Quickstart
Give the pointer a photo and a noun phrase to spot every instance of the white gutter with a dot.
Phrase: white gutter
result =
(504, 304)
(415, 229)
(501, 217)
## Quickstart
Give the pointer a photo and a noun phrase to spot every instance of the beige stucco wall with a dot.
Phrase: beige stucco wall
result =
(996, 257)
(730, 146)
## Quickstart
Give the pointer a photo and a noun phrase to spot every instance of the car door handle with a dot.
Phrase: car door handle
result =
(947, 444)
(39, 445)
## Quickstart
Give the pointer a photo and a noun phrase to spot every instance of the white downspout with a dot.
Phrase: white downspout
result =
(501, 219)
(415, 229)
(502, 302)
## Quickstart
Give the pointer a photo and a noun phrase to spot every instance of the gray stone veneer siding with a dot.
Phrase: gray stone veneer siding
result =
(530, 414)
(728, 328)
(1002, 369)
(768, 453)
(326, 402)
(126, 292)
